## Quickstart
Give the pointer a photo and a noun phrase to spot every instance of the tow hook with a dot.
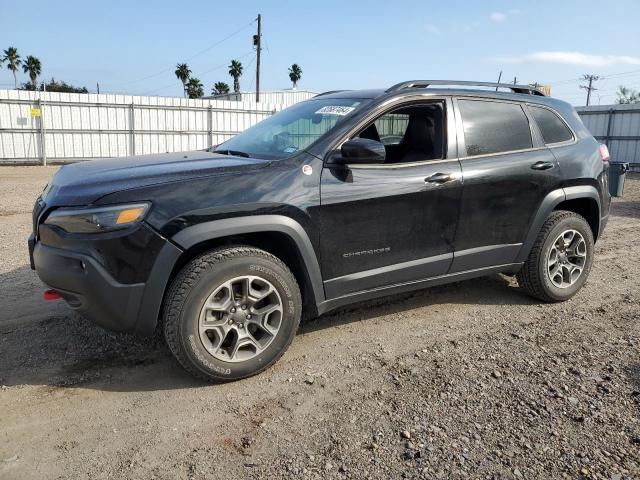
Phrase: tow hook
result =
(51, 295)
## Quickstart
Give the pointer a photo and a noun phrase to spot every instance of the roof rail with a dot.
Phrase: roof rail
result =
(329, 92)
(527, 89)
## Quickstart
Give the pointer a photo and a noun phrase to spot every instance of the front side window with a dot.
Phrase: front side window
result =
(291, 130)
(552, 128)
(409, 134)
(494, 127)
(392, 127)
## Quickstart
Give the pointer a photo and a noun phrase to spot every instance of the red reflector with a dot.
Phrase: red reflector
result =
(51, 295)
(604, 152)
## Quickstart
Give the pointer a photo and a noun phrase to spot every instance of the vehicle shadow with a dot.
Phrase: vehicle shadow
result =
(491, 290)
(56, 348)
(625, 209)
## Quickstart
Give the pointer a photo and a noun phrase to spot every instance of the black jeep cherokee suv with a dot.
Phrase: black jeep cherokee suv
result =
(345, 197)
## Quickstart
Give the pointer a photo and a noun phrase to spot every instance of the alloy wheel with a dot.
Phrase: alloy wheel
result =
(240, 318)
(567, 258)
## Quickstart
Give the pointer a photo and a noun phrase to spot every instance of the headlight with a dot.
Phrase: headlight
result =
(97, 220)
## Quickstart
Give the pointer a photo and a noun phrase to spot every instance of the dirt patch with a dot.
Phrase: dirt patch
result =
(471, 380)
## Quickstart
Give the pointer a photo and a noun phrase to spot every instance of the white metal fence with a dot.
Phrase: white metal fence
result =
(285, 97)
(40, 127)
(618, 126)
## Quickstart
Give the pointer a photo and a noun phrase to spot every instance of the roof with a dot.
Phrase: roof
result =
(373, 93)
(439, 90)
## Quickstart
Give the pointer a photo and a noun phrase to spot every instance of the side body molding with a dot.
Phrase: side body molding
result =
(551, 201)
(201, 232)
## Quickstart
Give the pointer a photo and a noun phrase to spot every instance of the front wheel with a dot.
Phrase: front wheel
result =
(231, 313)
(560, 259)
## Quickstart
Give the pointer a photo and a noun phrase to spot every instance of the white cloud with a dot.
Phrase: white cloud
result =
(573, 58)
(464, 27)
(498, 17)
(433, 29)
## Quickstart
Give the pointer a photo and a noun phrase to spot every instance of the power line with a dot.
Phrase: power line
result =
(217, 67)
(579, 79)
(215, 44)
(252, 84)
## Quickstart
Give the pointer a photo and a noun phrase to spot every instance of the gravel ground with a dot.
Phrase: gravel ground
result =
(471, 380)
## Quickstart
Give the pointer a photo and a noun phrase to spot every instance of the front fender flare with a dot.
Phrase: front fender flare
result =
(190, 236)
(201, 232)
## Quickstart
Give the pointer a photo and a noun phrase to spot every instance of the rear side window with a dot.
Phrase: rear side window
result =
(493, 127)
(552, 128)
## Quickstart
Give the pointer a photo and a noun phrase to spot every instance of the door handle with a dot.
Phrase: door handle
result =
(542, 166)
(440, 178)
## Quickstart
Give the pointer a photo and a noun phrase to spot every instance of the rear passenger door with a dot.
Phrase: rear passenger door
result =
(507, 171)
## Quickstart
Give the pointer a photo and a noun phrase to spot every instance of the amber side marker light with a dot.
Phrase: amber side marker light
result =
(129, 215)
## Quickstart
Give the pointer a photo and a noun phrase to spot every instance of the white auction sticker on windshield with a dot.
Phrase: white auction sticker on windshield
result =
(335, 110)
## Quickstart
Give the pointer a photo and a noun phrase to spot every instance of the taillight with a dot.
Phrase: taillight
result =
(604, 152)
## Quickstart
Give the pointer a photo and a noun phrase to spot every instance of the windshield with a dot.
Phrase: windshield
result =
(291, 130)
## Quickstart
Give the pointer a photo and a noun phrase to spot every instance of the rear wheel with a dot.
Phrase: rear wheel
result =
(231, 313)
(560, 259)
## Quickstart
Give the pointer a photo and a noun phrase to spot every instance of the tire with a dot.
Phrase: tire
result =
(537, 277)
(218, 342)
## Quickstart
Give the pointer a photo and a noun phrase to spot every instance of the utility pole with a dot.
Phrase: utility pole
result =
(589, 88)
(515, 80)
(257, 41)
(98, 86)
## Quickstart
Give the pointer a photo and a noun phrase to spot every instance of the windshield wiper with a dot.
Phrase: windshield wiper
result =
(237, 153)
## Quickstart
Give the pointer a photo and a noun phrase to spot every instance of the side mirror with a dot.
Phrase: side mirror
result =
(361, 150)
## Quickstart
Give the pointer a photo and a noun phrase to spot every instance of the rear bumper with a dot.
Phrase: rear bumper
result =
(89, 288)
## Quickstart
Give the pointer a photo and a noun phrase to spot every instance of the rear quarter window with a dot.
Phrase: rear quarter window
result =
(494, 127)
(553, 129)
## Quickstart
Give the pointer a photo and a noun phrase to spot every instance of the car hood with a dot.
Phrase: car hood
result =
(85, 182)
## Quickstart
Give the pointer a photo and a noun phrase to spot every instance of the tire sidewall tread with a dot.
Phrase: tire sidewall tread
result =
(533, 277)
(192, 286)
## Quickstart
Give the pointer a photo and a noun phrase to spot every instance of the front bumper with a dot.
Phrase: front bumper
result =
(88, 287)
(119, 283)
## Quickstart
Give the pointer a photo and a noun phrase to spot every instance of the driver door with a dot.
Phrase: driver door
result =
(392, 223)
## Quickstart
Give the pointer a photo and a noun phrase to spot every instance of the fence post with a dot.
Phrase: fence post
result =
(209, 126)
(132, 131)
(43, 138)
(609, 122)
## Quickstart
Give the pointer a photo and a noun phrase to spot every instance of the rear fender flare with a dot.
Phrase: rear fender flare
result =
(548, 204)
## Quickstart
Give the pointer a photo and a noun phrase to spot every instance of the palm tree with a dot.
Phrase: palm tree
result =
(627, 95)
(33, 67)
(183, 73)
(220, 88)
(11, 56)
(235, 70)
(295, 74)
(195, 88)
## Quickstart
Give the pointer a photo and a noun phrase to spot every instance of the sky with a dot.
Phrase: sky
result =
(132, 47)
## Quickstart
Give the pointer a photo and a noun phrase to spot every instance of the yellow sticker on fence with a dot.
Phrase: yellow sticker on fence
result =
(36, 112)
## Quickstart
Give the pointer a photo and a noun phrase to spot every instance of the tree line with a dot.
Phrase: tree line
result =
(193, 87)
(33, 68)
